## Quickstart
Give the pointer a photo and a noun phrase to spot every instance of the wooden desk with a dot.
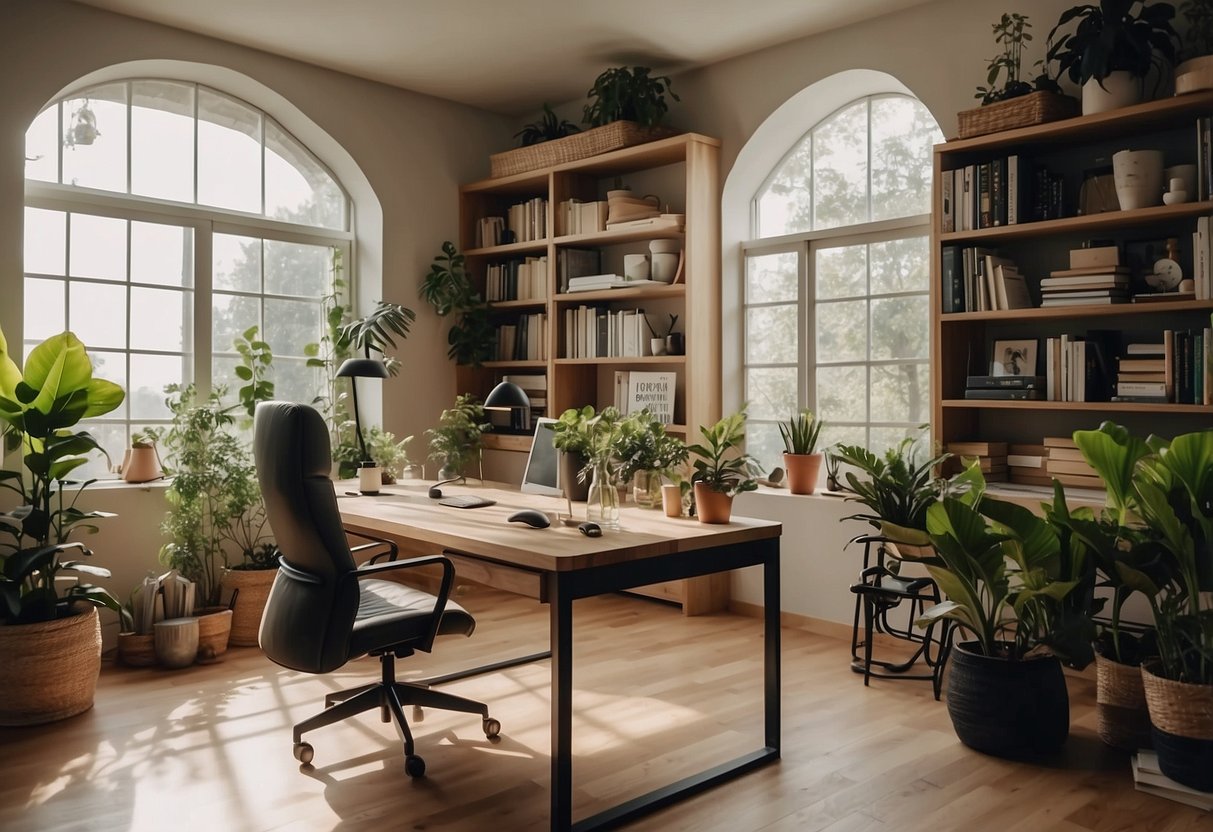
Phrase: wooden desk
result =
(559, 565)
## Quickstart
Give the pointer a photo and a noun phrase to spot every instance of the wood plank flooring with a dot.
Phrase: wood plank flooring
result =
(657, 697)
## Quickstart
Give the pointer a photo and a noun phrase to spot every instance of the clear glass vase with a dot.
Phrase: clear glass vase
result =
(602, 506)
(646, 489)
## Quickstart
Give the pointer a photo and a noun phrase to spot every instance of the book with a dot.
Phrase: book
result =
(1069, 466)
(977, 448)
(1071, 454)
(1066, 301)
(1003, 382)
(953, 280)
(1094, 258)
(1145, 349)
(1026, 461)
(1148, 777)
(1142, 365)
(947, 184)
(1012, 288)
(1092, 271)
(654, 391)
(1092, 281)
(1163, 297)
(1006, 395)
(1078, 480)
(1058, 442)
(1082, 292)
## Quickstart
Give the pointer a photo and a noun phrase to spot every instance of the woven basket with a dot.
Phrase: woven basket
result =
(1178, 708)
(50, 668)
(214, 628)
(613, 136)
(1033, 108)
(137, 650)
(1120, 705)
(253, 586)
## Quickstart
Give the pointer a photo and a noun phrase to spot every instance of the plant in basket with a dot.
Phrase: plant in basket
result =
(550, 126)
(1196, 71)
(628, 94)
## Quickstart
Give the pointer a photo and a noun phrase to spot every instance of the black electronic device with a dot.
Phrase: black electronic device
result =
(436, 491)
(590, 529)
(466, 501)
(533, 518)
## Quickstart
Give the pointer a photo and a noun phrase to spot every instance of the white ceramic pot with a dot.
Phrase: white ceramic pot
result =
(1138, 177)
(370, 477)
(1120, 89)
(665, 266)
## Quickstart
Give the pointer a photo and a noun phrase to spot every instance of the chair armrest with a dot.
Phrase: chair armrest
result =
(444, 591)
(392, 549)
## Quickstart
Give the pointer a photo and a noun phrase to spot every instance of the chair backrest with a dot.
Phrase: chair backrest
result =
(311, 608)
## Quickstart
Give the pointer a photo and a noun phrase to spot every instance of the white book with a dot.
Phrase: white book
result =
(1148, 777)
(654, 391)
(1050, 375)
(1025, 461)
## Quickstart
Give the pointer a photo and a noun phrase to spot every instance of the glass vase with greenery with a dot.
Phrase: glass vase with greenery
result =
(646, 453)
(458, 438)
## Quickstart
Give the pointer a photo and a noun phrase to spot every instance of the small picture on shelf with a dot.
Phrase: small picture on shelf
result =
(1014, 358)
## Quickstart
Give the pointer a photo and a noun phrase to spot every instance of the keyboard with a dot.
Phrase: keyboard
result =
(466, 501)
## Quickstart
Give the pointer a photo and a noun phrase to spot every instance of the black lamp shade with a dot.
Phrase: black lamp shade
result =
(507, 396)
(362, 368)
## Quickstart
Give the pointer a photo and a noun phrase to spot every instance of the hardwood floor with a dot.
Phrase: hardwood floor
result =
(658, 695)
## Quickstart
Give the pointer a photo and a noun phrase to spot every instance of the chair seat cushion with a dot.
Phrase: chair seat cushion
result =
(391, 613)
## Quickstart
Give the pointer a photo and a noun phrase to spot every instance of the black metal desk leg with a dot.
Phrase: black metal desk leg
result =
(561, 635)
(771, 608)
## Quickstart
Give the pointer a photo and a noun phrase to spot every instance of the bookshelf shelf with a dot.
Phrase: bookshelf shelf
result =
(614, 236)
(529, 247)
(515, 365)
(1078, 407)
(518, 304)
(646, 359)
(1093, 223)
(639, 293)
(1070, 312)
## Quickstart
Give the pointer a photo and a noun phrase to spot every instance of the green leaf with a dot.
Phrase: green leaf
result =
(243, 373)
(102, 397)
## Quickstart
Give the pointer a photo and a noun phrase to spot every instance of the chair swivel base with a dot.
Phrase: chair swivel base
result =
(390, 697)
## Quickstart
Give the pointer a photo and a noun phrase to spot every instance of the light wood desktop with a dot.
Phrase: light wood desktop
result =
(558, 565)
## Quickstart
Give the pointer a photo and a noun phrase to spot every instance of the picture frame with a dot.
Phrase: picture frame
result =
(1014, 358)
(1141, 255)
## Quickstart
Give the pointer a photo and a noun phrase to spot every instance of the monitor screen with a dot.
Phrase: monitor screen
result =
(542, 475)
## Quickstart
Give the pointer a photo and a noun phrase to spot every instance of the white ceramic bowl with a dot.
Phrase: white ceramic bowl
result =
(665, 246)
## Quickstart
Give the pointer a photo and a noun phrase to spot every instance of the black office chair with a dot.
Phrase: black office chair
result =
(325, 610)
(880, 594)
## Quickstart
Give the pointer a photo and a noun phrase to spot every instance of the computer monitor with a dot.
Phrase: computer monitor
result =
(542, 475)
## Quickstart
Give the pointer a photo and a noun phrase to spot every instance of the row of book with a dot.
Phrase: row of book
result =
(524, 340)
(575, 216)
(636, 391)
(1078, 368)
(1003, 191)
(517, 279)
(1178, 370)
(600, 332)
(979, 280)
(528, 220)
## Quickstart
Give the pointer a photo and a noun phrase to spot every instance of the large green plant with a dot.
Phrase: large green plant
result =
(900, 486)
(1111, 36)
(628, 94)
(449, 289)
(38, 408)
(720, 464)
(458, 437)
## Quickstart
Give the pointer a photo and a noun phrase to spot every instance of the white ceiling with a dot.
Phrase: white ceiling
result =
(506, 56)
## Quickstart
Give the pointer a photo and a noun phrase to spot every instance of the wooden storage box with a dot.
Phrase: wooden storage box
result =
(613, 136)
(1034, 108)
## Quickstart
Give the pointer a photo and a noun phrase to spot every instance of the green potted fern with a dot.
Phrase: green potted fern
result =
(721, 469)
(800, 456)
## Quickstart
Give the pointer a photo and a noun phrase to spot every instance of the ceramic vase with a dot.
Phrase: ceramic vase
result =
(1138, 178)
(176, 642)
(802, 472)
(1120, 89)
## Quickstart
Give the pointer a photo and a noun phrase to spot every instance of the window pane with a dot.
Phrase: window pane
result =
(903, 132)
(771, 336)
(900, 328)
(111, 366)
(840, 168)
(900, 393)
(842, 272)
(297, 189)
(290, 325)
(97, 314)
(98, 247)
(294, 381)
(232, 315)
(885, 438)
(229, 153)
(44, 308)
(161, 319)
(842, 394)
(771, 392)
(42, 146)
(834, 434)
(785, 204)
(114, 440)
(763, 442)
(45, 241)
(149, 375)
(900, 266)
(94, 144)
(162, 140)
(223, 374)
(162, 254)
(842, 331)
(772, 277)
(296, 269)
(237, 263)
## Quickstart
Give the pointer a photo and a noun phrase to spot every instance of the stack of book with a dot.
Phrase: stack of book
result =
(1095, 285)
(992, 457)
(594, 282)
(1026, 464)
(1066, 464)
(1141, 374)
(1148, 778)
(517, 279)
(1027, 388)
(1178, 370)
(525, 340)
(595, 332)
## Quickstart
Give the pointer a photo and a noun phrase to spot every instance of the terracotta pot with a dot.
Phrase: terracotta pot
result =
(802, 472)
(214, 629)
(136, 650)
(50, 668)
(253, 589)
(1181, 719)
(1120, 704)
(712, 506)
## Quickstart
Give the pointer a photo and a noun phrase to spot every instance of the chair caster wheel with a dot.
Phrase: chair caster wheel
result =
(414, 766)
(304, 752)
(492, 728)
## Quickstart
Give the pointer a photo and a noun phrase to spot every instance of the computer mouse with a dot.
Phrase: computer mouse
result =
(534, 519)
(590, 529)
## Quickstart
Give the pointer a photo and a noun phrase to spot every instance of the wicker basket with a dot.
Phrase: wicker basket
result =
(50, 668)
(613, 136)
(1120, 708)
(1034, 108)
(137, 650)
(1182, 719)
(253, 586)
(214, 629)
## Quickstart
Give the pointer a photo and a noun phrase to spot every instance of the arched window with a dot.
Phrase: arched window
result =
(163, 219)
(836, 279)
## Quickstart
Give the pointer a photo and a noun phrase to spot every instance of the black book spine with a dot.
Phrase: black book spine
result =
(953, 280)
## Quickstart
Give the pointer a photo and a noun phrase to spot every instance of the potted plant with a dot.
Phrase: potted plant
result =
(1196, 71)
(628, 94)
(1018, 587)
(457, 440)
(1112, 49)
(646, 454)
(391, 456)
(449, 289)
(800, 456)
(50, 636)
(593, 439)
(721, 470)
(571, 436)
(547, 128)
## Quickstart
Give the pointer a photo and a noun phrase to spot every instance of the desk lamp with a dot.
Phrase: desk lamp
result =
(510, 397)
(354, 369)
